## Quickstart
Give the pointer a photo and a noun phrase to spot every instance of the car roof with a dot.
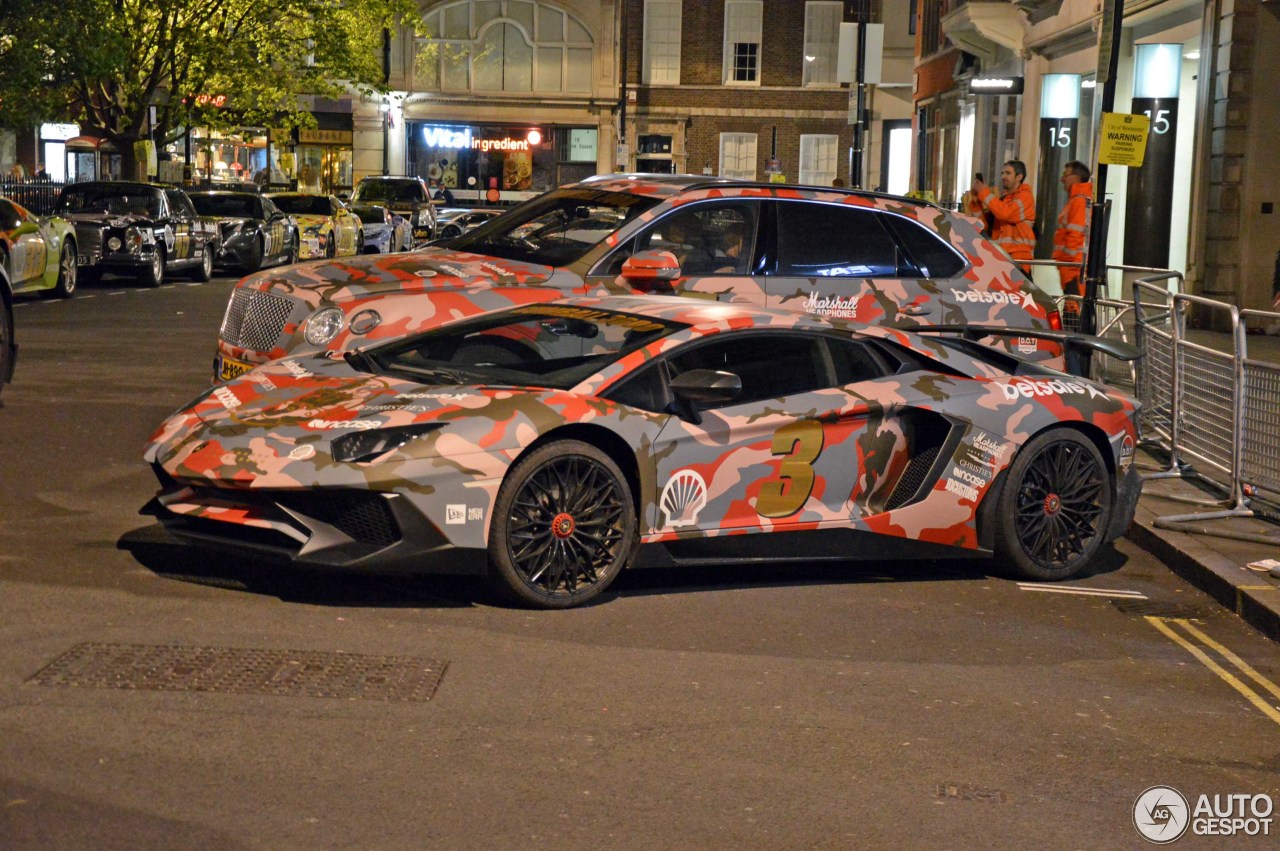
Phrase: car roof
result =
(669, 183)
(389, 177)
(239, 193)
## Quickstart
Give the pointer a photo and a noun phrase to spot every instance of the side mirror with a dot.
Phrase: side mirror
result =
(701, 387)
(644, 269)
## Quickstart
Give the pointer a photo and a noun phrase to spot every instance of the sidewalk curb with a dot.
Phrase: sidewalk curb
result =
(1246, 594)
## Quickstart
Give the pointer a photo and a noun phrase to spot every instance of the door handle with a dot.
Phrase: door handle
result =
(916, 310)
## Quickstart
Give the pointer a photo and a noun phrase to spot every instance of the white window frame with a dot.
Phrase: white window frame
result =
(737, 152)
(819, 158)
(822, 42)
(743, 24)
(662, 31)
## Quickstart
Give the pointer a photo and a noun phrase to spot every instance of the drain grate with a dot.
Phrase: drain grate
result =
(1157, 609)
(967, 792)
(287, 673)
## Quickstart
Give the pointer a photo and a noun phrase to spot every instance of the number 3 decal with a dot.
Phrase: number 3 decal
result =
(801, 442)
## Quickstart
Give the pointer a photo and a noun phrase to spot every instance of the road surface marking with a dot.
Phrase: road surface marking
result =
(1084, 592)
(1164, 625)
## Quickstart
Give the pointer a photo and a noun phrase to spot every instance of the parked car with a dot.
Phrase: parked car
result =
(455, 221)
(252, 231)
(328, 228)
(407, 196)
(8, 347)
(874, 258)
(385, 232)
(37, 252)
(546, 444)
(137, 229)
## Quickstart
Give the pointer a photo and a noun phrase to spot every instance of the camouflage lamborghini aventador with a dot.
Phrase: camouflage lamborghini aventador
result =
(552, 445)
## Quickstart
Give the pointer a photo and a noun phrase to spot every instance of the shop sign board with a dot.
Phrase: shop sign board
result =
(324, 137)
(583, 145)
(1124, 139)
(459, 138)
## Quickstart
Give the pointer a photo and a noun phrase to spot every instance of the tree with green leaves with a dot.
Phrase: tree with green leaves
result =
(105, 63)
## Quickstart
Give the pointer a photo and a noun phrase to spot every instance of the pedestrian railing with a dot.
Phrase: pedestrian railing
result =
(1212, 408)
(39, 195)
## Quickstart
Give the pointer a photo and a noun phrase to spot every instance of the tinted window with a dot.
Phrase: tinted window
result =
(179, 204)
(388, 190)
(834, 240)
(105, 198)
(235, 206)
(304, 205)
(770, 365)
(854, 361)
(933, 257)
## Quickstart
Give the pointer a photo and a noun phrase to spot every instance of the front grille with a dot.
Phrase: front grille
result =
(89, 244)
(363, 517)
(255, 319)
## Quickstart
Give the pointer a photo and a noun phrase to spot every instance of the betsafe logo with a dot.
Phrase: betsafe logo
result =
(1161, 815)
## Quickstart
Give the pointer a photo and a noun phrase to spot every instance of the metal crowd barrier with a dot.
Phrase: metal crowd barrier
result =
(1217, 409)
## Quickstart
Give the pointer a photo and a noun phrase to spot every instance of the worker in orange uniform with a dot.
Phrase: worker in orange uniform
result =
(1073, 229)
(1012, 214)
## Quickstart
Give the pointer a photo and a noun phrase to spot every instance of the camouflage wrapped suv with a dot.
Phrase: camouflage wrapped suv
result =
(862, 256)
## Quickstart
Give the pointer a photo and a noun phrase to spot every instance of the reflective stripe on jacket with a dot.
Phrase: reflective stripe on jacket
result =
(1013, 214)
(1073, 231)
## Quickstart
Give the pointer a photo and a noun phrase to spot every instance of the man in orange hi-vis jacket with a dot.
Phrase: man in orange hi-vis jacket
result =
(1073, 229)
(1013, 213)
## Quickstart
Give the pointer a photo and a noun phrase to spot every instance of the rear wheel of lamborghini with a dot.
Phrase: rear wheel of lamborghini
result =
(1056, 506)
(564, 526)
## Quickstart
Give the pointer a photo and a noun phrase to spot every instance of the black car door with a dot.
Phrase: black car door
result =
(182, 223)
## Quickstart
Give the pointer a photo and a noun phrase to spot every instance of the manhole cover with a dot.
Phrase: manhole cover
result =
(1157, 609)
(968, 792)
(288, 673)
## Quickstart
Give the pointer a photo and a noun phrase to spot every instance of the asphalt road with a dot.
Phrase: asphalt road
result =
(871, 705)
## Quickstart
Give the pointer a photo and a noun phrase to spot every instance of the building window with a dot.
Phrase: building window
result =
(503, 46)
(662, 42)
(821, 42)
(818, 159)
(738, 155)
(742, 26)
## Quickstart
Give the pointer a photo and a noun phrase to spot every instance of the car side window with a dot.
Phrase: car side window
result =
(929, 253)
(855, 361)
(707, 239)
(770, 365)
(176, 206)
(834, 241)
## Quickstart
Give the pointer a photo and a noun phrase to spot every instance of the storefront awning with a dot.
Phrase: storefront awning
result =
(90, 143)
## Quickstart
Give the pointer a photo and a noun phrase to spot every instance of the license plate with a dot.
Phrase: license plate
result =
(230, 368)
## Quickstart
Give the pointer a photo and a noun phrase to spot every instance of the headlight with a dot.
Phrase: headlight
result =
(114, 243)
(323, 326)
(314, 230)
(367, 445)
(424, 216)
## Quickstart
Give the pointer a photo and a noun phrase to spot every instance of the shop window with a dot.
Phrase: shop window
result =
(503, 46)
(662, 42)
(818, 159)
(742, 28)
(821, 42)
(738, 155)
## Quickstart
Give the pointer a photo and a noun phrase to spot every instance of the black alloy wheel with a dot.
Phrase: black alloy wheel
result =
(564, 526)
(67, 270)
(1055, 507)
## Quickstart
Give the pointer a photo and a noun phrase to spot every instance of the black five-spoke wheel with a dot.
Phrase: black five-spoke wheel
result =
(1056, 506)
(564, 526)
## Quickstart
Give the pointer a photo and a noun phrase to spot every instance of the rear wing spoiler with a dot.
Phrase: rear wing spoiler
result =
(1071, 342)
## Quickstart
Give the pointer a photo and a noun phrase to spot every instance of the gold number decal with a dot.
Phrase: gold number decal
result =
(801, 442)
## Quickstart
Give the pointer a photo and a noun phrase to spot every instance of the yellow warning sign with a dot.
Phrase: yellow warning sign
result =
(1124, 138)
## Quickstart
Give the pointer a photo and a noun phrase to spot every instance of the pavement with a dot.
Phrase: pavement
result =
(1214, 554)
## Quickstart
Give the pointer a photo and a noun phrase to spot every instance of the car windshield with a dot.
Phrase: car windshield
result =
(118, 200)
(236, 206)
(387, 190)
(541, 345)
(557, 228)
(303, 205)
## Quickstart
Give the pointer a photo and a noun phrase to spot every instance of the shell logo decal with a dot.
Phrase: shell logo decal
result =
(683, 497)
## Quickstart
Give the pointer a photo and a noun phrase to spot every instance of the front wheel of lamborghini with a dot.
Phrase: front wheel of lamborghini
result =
(564, 526)
(1056, 506)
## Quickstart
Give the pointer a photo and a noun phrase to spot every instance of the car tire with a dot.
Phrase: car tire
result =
(153, 275)
(259, 255)
(450, 232)
(204, 271)
(331, 246)
(1055, 506)
(359, 242)
(292, 256)
(67, 271)
(7, 349)
(544, 551)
